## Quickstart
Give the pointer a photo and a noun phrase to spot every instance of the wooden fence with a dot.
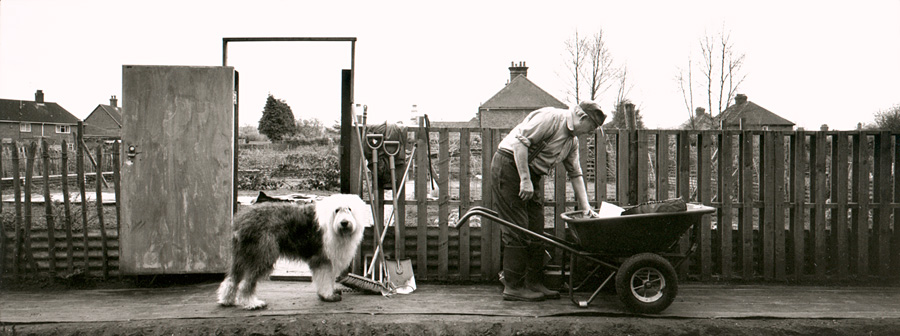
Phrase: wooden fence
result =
(70, 238)
(791, 206)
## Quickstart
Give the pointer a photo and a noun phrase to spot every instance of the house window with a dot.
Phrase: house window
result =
(70, 146)
(63, 129)
(24, 127)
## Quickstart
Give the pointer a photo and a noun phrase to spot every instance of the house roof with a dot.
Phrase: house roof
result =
(752, 114)
(30, 111)
(521, 93)
(702, 121)
(114, 112)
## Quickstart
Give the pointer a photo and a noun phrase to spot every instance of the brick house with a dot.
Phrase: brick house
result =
(744, 114)
(105, 121)
(512, 103)
(25, 121)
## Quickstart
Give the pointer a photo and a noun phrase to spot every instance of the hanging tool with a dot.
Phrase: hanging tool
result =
(375, 142)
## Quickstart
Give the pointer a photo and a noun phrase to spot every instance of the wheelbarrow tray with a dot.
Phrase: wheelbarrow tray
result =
(632, 234)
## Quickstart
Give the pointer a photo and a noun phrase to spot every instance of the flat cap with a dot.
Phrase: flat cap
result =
(593, 111)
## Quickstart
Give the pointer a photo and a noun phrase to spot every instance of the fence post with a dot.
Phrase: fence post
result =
(882, 216)
(70, 263)
(29, 171)
(48, 208)
(421, 201)
(4, 243)
(465, 248)
(17, 191)
(746, 221)
(839, 185)
(443, 180)
(79, 163)
(103, 239)
(724, 221)
(798, 196)
(704, 195)
(778, 221)
(861, 196)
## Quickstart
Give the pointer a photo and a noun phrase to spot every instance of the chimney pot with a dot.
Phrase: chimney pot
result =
(39, 96)
(113, 101)
(516, 70)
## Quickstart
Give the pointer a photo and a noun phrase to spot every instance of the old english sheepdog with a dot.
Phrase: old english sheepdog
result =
(325, 235)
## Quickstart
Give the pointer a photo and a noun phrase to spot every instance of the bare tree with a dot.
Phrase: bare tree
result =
(576, 49)
(721, 76)
(687, 90)
(624, 86)
(601, 71)
(590, 66)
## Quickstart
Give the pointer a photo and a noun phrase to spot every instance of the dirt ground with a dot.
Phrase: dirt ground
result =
(363, 324)
(425, 323)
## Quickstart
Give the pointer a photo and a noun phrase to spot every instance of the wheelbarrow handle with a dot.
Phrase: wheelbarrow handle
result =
(556, 242)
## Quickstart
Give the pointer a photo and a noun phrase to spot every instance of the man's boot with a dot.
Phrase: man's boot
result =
(514, 274)
(534, 279)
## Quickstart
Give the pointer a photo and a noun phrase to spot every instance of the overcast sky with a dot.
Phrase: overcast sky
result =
(812, 62)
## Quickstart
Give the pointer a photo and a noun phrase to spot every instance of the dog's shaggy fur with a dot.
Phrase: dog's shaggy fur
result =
(325, 235)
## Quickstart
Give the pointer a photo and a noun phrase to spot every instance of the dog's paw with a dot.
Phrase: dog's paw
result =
(334, 297)
(255, 304)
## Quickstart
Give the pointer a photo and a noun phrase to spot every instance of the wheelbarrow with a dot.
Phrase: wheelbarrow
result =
(636, 249)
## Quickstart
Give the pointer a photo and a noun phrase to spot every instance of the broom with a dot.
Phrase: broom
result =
(362, 283)
(352, 280)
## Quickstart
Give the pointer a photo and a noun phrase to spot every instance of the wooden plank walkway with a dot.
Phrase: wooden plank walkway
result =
(299, 298)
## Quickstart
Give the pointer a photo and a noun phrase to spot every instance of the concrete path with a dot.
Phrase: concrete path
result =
(299, 298)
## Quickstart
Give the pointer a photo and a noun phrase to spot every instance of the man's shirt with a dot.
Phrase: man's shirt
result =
(549, 135)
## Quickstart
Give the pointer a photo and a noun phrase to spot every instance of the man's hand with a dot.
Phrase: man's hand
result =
(526, 190)
(589, 213)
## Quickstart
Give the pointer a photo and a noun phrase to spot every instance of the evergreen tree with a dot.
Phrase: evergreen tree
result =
(277, 121)
(618, 117)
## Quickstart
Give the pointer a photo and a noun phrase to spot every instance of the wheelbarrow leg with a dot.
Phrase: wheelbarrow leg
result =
(584, 303)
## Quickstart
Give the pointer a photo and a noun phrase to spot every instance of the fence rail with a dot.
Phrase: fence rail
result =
(792, 205)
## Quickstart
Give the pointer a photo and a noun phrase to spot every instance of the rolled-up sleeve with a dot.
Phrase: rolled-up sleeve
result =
(572, 162)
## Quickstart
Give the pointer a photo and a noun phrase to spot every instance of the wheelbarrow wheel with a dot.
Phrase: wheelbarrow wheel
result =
(646, 283)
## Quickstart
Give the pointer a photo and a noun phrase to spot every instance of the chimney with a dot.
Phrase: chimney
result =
(113, 101)
(39, 96)
(517, 69)
(699, 111)
(740, 98)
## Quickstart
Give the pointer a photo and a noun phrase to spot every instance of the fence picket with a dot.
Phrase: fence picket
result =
(29, 172)
(103, 239)
(443, 201)
(725, 190)
(882, 192)
(840, 184)
(48, 207)
(817, 224)
(798, 196)
(778, 194)
(67, 211)
(861, 186)
(683, 185)
(767, 195)
(464, 198)
(745, 225)
(704, 193)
